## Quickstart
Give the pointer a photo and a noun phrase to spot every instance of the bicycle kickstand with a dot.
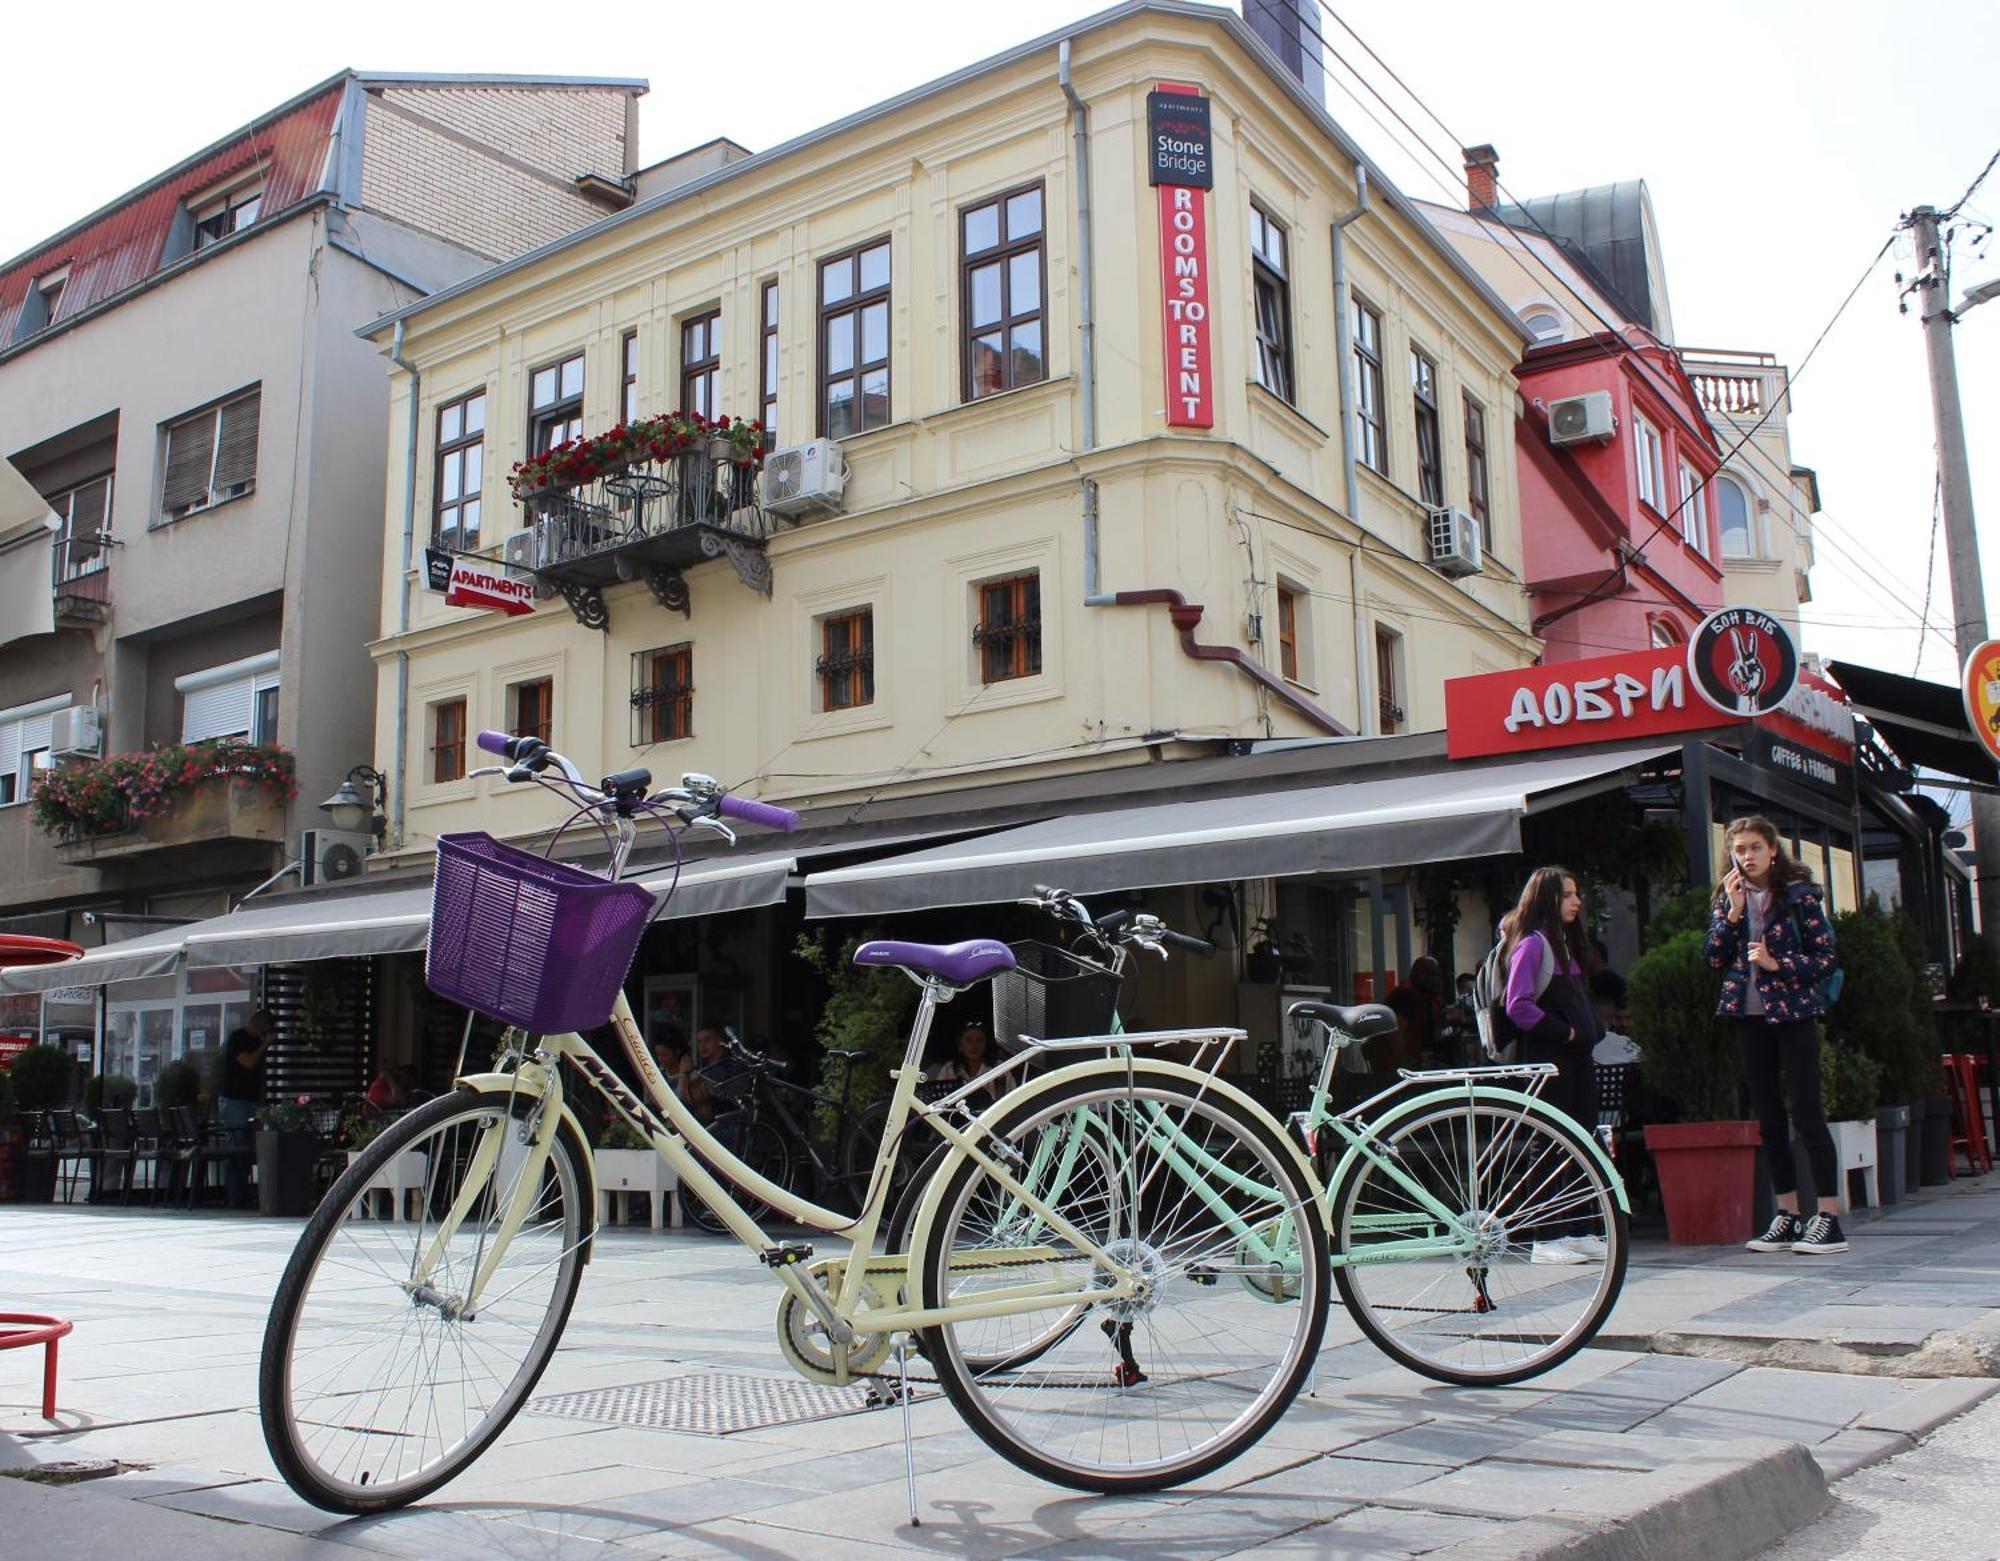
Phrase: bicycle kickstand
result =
(909, 1443)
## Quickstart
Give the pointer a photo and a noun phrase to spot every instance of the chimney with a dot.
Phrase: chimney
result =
(1482, 178)
(1281, 26)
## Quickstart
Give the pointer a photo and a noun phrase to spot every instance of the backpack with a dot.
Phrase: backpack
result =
(1828, 988)
(1489, 997)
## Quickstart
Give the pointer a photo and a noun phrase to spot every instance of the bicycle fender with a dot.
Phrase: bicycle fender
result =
(1506, 1097)
(1034, 1089)
(528, 1083)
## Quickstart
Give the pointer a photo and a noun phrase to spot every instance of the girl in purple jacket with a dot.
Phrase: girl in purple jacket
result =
(1549, 1004)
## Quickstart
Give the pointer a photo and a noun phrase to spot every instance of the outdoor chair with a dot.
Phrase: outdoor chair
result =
(74, 1150)
(1623, 1139)
(152, 1145)
(116, 1156)
(1968, 1121)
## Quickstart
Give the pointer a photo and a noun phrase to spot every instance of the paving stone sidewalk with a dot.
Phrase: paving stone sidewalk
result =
(1732, 1388)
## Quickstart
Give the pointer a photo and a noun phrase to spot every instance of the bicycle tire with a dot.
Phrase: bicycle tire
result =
(1091, 1415)
(345, 1337)
(758, 1145)
(918, 1149)
(1506, 1317)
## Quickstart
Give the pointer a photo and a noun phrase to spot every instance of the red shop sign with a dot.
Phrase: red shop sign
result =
(1603, 699)
(475, 584)
(1184, 311)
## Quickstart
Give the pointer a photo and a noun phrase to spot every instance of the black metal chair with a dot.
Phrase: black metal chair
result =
(152, 1145)
(116, 1157)
(74, 1150)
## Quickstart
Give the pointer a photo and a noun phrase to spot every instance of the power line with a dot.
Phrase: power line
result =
(1930, 568)
(1953, 209)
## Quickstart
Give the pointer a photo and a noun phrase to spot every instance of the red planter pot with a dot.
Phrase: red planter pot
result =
(1708, 1173)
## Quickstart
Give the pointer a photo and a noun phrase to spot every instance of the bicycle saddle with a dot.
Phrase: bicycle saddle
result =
(958, 963)
(1360, 1021)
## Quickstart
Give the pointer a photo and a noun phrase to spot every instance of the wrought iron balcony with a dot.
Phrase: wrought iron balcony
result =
(647, 520)
(82, 580)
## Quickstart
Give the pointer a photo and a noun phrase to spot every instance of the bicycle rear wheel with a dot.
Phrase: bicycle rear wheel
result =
(758, 1145)
(378, 1382)
(1514, 1180)
(1161, 1386)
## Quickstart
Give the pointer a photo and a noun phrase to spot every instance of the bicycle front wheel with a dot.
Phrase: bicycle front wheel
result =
(1518, 1280)
(383, 1376)
(1106, 1388)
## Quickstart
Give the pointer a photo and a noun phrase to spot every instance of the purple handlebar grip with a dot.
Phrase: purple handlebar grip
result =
(495, 742)
(757, 813)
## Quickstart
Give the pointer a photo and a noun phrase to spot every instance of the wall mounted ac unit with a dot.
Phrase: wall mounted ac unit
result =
(331, 855)
(518, 551)
(1583, 419)
(1455, 543)
(76, 733)
(804, 478)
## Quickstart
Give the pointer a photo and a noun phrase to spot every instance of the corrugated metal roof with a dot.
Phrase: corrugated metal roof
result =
(121, 245)
(1602, 229)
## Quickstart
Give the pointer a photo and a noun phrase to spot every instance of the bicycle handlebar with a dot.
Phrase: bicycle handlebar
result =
(751, 812)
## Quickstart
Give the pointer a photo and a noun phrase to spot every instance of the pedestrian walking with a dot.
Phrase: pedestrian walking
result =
(238, 1094)
(1768, 934)
(1548, 1002)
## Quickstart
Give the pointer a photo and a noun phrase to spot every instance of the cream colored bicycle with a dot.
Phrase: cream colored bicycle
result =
(1061, 1271)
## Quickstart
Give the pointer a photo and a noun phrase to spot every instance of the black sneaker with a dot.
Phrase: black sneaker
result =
(1785, 1230)
(1821, 1234)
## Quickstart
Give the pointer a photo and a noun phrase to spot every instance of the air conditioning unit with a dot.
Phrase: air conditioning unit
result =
(1455, 547)
(518, 551)
(1583, 419)
(331, 855)
(804, 478)
(76, 733)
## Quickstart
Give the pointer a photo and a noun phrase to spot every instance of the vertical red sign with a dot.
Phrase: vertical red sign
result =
(1184, 306)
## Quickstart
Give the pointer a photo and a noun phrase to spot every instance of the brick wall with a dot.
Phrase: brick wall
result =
(418, 166)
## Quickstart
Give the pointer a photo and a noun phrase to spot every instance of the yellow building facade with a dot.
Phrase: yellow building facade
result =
(750, 286)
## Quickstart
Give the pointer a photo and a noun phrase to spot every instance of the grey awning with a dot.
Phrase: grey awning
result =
(395, 921)
(1434, 815)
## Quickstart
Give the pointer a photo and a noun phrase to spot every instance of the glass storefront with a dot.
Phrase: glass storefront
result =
(151, 1022)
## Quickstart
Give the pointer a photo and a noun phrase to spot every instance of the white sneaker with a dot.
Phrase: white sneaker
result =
(1590, 1248)
(1555, 1252)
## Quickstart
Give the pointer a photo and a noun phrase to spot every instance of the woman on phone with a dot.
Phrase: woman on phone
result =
(1768, 934)
(1547, 1002)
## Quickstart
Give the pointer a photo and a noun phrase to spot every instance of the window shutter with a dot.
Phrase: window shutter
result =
(86, 515)
(219, 710)
(236, 447)
(10, 753)
(190, 447)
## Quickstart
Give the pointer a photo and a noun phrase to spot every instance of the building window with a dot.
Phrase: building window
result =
(701, 363)
(846, 665)
(1269, 280)
(216, 219)
(854, 341)
(1477, 500)
(1430, 445)
(236, 700)
(1694, 510)
(1288, 632)
(1545, 325)
(1652, 466)
(448, 741)
(39, 306)
(1738, 536)
(24, 738)
(555, 404)
(211, 456)
(767, 367)
(1665, 634)
(628, 358)
(1001, 293)
(1389, 713)
(82, 546)
(1009, 635)
(662, 695)
(1369, 407)
(461, 455)
(531, 708)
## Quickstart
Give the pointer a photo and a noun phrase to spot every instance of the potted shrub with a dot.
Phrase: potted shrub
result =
(108, 1090)
(1848, 1088)
(400, 1177)
(626, 1162)
(1706, 1161)
(1275, 952)
(178, 1084)
(288, 1149)
(1885, 1011)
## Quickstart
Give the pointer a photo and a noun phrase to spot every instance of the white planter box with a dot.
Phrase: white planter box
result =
(622, 1172)
(395, 1181)
(1854, 1150)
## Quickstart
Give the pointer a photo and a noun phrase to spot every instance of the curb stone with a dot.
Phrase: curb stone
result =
(1728, 1503)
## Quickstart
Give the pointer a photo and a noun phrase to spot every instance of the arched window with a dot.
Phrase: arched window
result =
(1664, 633)
(1738, 537)
(1544, 324)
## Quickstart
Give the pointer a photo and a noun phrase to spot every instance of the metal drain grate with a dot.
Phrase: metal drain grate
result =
(710, 1403)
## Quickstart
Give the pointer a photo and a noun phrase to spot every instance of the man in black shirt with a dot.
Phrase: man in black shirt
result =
(237, 1098)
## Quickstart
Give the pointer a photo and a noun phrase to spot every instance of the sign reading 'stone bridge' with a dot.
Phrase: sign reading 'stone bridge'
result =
(1182, 164)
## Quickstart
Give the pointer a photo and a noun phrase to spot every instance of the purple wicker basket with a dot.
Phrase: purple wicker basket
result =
(533, 943)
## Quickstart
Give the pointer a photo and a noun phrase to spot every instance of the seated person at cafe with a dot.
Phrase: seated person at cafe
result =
(391, 1090)
(710, 1068)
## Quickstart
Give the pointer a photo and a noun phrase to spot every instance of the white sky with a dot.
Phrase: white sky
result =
(1781, 140)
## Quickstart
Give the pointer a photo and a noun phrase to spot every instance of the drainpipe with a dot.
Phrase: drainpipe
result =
(1343, 349)
(1186, 615)
(400, 768)
(1086, 309)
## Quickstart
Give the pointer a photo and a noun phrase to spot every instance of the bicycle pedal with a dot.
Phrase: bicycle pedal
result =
(785, 1253)
(1201, 1274)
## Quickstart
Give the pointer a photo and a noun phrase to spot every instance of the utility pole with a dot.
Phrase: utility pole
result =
(1961, 536)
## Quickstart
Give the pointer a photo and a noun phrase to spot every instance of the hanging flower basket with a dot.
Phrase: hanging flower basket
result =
(85, 801)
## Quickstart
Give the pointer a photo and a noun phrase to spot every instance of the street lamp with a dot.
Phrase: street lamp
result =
(356, 811)
(1984, 293)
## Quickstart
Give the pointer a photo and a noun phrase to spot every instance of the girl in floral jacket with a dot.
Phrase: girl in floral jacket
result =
(1768, 934)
